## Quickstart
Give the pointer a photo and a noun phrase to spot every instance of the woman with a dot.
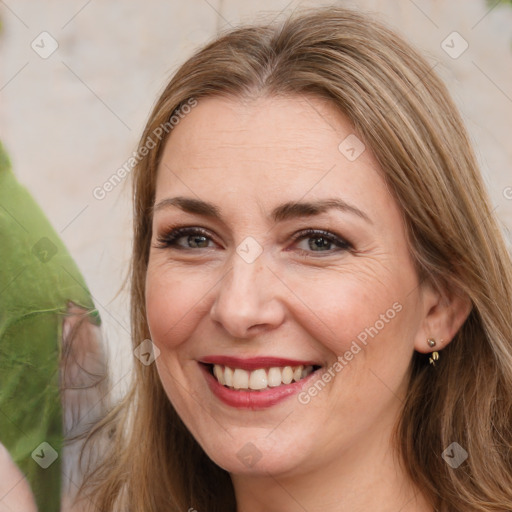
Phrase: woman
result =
(374, 376)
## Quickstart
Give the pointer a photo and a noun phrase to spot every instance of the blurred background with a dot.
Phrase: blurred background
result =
(79, 77)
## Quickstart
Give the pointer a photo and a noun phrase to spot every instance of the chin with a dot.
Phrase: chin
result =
(252, 451)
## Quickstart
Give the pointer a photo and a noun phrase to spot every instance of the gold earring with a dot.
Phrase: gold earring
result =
(435, 355)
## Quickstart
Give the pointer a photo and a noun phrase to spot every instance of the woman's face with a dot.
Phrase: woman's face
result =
(248, 283)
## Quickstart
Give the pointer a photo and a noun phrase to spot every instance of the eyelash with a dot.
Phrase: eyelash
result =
(169, 239)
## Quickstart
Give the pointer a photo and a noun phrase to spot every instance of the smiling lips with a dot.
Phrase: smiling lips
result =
(256, 382)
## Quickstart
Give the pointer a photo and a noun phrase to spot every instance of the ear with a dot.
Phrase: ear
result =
(444, 311)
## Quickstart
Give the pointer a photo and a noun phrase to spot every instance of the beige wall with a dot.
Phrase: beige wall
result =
(70, 120)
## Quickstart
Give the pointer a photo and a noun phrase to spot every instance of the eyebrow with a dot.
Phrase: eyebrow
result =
(285, 211)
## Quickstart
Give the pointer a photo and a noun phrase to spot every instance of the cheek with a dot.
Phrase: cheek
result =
(173, 303)
(342, 305)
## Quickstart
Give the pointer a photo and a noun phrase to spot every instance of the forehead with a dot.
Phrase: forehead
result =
(262, 128)
(267, 148)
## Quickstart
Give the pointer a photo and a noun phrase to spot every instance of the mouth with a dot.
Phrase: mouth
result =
(260, 379)
(256, 383)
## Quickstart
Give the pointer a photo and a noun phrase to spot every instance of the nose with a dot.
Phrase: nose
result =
(247, 300)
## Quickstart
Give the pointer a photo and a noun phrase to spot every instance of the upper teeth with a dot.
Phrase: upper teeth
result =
(261, 378)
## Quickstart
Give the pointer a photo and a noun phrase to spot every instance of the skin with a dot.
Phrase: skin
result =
(293, 301)
(15, 493)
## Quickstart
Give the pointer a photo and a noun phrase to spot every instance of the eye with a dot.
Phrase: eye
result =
(321, 241)
(194, 238)
(315, 240)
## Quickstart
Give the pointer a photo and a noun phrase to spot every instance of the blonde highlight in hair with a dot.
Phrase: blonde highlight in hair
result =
(404, 112)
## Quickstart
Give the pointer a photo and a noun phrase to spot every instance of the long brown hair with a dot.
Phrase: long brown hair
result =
(405, 114)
